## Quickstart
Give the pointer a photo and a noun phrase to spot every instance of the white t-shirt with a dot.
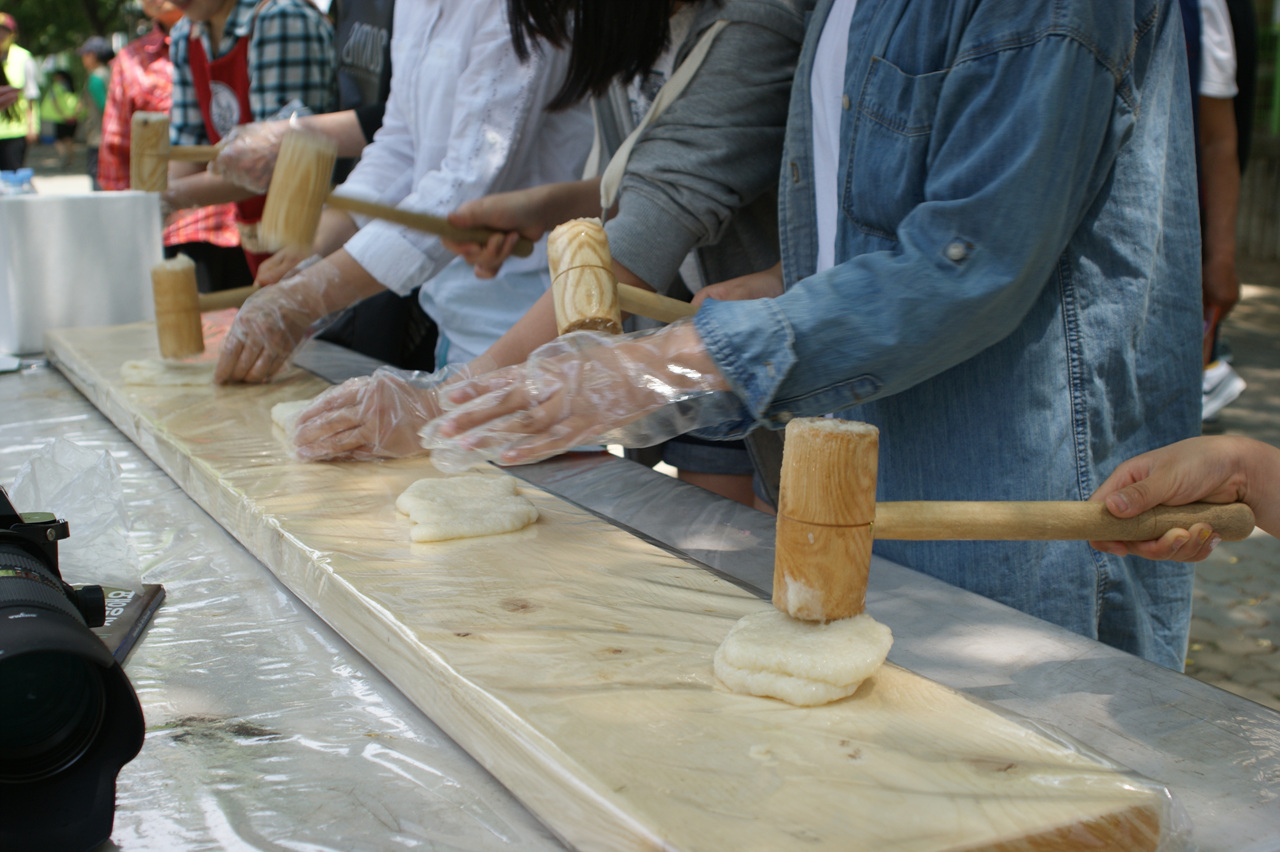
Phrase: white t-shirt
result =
(1217, 51)
(827, 103)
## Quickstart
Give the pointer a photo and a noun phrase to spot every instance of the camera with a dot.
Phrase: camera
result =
(69, 718)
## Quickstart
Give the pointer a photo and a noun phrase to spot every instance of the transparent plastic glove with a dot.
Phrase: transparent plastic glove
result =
(248, 156)
(275, 321)
(378, 416)
(573, 390)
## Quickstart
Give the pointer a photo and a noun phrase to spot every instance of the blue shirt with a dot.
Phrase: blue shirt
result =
(1016, 295)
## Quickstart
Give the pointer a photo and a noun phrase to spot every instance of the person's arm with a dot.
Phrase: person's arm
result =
(1218, 469)
(889, 319)
(31, 91)
(494, 105)
(113, 155)
(714, 150)
(1220, 189)
(970, 258)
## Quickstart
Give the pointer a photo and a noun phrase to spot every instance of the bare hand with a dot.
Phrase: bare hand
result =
(1196, 470)
(9, 96)
(513, 214)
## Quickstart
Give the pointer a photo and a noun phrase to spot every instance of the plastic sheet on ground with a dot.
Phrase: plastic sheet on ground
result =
(574, 661)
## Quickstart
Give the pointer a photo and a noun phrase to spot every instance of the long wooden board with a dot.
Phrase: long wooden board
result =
(574, 660)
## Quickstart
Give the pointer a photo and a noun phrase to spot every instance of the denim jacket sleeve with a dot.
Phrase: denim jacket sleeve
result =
(717, 148)
(1011, 145)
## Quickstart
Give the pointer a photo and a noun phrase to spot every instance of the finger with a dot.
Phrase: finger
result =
(499, 404)
(1133, 499)
(1172, 545)
(250, 352)
(326, 425)
(471, 389)
(334, 446)
(227, 360)
(560, 438)
(1116, 548)
(264, 367)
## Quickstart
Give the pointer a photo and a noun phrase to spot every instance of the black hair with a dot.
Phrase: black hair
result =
(65, 76)
(607, 39)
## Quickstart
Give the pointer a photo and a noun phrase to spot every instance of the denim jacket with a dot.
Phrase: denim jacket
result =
(1016, 296)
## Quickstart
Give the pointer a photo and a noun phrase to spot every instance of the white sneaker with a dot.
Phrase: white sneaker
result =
(1222, 385)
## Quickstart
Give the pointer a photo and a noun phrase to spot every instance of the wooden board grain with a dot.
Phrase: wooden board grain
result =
(574, 661)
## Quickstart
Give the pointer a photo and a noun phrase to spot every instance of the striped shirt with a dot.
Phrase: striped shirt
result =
(291, 57)
(141, 77)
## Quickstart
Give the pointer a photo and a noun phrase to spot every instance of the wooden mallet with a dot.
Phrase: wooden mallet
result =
(300, 189)
(150, 152)
(587, 296)
(828, 517)
(179, 305)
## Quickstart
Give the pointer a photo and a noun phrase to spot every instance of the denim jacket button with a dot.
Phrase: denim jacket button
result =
(844, 100)
(956, 251)
(795, 173)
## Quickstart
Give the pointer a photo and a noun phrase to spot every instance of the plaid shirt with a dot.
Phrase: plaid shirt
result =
(291, 57)
(141, 79)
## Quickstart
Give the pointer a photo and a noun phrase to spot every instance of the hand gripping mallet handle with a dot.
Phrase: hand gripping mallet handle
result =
(299, 191)
(828, 517)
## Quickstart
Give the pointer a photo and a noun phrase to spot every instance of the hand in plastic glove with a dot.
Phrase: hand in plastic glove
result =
(375, 417)
(281, 264)
(1222, 469)
(275, 321)
(248, 156)
(572, 390)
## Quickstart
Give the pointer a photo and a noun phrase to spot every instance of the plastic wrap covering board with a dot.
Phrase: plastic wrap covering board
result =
(265, 731)
(73, 260)
(573, 661)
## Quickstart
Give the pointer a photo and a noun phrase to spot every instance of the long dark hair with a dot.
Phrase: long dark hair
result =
(607, 39)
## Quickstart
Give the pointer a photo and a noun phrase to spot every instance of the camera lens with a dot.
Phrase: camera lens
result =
(52, 707)
(52, 697)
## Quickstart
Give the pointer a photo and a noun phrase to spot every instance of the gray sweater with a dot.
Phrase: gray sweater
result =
(705, 174)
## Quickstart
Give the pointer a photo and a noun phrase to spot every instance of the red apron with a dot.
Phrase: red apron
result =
(222, 91)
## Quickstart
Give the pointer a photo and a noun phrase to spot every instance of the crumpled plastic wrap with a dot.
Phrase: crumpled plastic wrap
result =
(264, 730)
(82, 487)
(574, 661)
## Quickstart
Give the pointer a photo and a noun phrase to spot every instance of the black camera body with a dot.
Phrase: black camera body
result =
(69, 718)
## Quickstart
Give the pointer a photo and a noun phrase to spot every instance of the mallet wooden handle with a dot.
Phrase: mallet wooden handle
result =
(424, 222)
(646, 303)
(225, 298)
(1050, 521)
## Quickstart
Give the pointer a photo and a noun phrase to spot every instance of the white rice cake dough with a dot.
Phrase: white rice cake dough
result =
(158, 372)
(285, 414)
(442, 508)
(804, 663)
